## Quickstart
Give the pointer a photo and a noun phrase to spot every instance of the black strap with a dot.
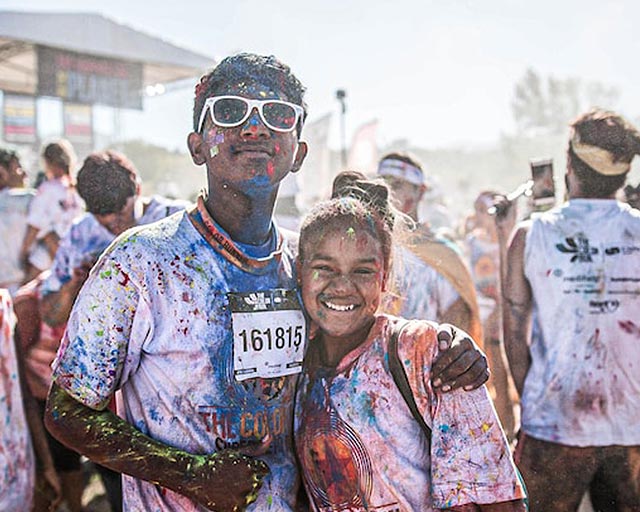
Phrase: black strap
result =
(400, 378)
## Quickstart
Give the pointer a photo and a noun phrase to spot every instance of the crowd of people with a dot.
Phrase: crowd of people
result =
(205, 359)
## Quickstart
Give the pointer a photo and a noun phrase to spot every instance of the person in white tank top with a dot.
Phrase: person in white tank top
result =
(578, 265)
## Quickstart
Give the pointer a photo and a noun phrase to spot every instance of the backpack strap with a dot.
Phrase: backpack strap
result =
(400, 378)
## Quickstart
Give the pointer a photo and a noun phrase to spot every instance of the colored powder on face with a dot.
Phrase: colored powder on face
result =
(213, 139)
(316, 274)
(270, 169)
(351, 233)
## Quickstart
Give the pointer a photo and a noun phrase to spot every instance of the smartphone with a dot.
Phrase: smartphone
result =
(543, 192)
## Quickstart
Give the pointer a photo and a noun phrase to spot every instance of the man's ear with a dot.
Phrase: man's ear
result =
(197, 148)
(300, 156)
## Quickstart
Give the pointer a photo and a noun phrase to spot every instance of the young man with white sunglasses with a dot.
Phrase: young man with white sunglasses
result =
(196, 320)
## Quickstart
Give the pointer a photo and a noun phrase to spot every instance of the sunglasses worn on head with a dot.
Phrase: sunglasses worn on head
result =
(230, 111)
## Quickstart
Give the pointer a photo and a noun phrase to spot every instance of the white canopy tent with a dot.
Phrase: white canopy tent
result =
(21, 33)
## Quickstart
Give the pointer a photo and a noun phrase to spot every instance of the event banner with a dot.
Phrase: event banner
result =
(88, 79)
(78, 126)
(19, 118)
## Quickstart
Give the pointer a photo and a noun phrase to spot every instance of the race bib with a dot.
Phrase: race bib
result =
(269, 334)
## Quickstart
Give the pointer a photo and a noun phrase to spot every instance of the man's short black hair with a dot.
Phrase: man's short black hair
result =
(105, 181)
(249, 67)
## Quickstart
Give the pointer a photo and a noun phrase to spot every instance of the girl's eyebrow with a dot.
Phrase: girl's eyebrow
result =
(320, 256)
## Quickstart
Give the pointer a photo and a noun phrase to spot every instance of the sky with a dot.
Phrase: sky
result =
(437, 74)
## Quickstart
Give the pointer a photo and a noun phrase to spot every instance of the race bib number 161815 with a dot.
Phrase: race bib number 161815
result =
(269, 334)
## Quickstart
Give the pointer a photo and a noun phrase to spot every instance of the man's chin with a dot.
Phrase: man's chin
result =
(260, 182)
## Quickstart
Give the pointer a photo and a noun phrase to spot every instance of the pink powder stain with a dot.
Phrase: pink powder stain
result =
(277, 148)
(211, 135)
(629, 327)
(270, 169)
(125, 276)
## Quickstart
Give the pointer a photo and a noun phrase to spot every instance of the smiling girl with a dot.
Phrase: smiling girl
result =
(359, 445)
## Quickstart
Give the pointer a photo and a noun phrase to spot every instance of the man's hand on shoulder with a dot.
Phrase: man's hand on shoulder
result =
(460, 362)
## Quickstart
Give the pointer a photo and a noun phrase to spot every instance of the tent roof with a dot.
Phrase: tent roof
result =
(91, 34)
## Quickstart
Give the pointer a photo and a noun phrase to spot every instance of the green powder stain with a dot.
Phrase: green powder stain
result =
(351, 233)
(100, 333)
(270, 500)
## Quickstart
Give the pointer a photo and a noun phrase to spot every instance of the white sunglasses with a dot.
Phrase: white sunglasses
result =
(230, 111)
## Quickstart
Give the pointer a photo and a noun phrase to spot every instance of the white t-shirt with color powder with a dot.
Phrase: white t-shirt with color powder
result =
(155, 320)
(582, 260)
(361, 449)
(17, 466)
(418, 291)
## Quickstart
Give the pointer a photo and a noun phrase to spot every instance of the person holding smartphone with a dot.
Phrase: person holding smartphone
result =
(578, 266)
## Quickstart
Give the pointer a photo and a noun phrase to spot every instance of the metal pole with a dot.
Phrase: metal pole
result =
(341, 94)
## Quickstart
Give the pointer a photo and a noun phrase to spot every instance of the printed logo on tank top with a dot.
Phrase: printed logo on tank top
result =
(579, 249)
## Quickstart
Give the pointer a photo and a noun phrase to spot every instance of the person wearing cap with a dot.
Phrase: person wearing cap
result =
(578, 266)
(446, 292)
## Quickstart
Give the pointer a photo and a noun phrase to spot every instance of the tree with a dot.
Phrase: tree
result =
(546, 106)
